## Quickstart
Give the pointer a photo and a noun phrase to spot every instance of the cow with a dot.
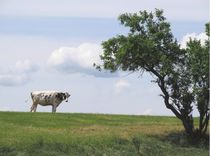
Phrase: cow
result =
(46, 98)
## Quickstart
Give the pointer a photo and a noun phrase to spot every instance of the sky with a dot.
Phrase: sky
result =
(51, 45)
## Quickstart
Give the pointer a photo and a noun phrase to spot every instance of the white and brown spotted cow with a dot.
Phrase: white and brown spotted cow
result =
(46, 98)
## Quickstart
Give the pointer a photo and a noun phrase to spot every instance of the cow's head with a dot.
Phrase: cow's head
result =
(66, 95)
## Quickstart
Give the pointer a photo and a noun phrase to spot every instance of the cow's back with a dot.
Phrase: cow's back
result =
(44, 97)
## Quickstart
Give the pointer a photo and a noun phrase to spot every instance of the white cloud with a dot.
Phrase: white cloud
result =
(120, 86)
(18, 74)
(84, 55)
(147, 112)
(202, 37)
(25, 66)
(13, 79)
(77, 59)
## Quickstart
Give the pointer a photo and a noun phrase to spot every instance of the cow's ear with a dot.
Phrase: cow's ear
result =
(64, 96)
(67, 94)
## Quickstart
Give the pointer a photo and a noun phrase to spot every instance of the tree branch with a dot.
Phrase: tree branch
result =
(206, 123)
(166, 96)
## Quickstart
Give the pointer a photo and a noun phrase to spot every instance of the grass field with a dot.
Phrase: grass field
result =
(43, 134)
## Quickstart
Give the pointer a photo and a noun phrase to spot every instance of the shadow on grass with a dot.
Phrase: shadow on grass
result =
(114, 147)
(41, 148)
(180, 139)
(4, 150)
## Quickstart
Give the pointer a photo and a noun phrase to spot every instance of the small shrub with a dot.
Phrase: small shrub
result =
(121, 141)
(39, 143)
(136, 142)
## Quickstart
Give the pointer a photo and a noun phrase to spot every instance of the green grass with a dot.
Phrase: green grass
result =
(43, 134)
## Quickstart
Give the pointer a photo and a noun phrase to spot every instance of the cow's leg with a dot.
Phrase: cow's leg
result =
(32, 107)
(35, 107)
(53, 108)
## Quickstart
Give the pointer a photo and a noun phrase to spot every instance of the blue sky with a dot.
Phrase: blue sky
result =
(80, 27)
(51, 45)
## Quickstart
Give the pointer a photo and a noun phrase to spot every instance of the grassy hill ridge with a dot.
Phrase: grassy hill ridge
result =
(65, 134)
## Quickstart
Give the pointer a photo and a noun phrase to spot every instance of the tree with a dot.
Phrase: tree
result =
(181, 74)
(198, 66)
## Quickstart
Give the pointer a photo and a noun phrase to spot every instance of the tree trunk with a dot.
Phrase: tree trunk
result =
(185, 117)
(188, 126)
(203, 123)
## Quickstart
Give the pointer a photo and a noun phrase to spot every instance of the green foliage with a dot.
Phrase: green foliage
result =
(198, 67)
(208, 29)
(181, 74)
(149, 44)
